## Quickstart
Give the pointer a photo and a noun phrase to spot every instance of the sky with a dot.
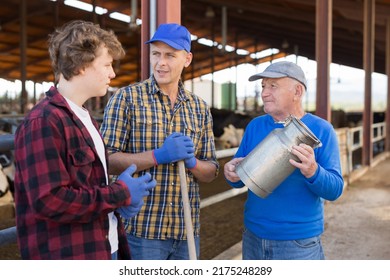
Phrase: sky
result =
(346, 89)
(346, 84)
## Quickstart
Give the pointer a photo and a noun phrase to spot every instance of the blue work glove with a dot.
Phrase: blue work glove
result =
(130, 211)
(138, 187)
(175, 147)
(190, 162)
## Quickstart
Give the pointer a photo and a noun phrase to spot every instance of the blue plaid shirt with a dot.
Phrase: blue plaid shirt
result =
(138, 118)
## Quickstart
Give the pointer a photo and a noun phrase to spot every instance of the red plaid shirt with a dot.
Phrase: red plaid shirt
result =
(61, 196)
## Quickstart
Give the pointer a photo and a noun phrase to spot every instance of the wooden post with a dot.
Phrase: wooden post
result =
(187, 211)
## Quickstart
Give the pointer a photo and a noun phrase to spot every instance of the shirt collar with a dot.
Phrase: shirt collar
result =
(56, 98)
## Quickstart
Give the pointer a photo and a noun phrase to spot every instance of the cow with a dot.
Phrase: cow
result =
(4, 185)
(230, 138)
(7, 168)
(228, 127)
(356, 118)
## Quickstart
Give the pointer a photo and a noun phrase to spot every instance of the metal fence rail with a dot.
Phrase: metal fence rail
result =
(347, 147)
(352, 142)
(6, 142)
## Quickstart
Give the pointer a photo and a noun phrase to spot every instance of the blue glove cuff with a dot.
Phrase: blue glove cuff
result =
(156, 157)
(191, 163)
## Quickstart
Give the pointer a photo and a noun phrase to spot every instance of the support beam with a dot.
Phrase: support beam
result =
(212, 57)
(368, 66)
(23, 54)
(387, 114)
(323, 57)
(145, 35)
(154, 13)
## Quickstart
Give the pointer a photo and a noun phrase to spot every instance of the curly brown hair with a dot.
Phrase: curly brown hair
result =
(74, 46)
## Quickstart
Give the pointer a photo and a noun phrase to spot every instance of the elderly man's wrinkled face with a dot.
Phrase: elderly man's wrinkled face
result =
(279, 96)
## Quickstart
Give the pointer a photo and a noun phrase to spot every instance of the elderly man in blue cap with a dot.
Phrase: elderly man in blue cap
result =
(154, 124)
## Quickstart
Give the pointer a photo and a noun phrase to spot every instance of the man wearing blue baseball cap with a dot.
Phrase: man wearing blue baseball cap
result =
(155, 124)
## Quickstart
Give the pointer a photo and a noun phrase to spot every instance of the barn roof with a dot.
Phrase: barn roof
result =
(252, 26)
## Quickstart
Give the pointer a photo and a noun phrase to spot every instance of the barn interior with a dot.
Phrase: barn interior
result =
(226, 33)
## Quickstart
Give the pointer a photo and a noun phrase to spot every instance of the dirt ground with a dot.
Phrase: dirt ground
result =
(357, 225)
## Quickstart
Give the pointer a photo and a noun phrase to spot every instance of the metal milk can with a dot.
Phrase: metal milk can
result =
(267, 165)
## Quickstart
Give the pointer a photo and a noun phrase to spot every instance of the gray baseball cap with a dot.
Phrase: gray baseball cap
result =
(282, 69)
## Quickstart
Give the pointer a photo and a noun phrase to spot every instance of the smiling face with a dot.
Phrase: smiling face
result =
(281, 97)
(168, 63)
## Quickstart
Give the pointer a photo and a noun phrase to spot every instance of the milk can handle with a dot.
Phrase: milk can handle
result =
(286, 121)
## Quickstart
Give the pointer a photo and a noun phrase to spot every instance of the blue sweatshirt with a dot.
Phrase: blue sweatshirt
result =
(295, 209)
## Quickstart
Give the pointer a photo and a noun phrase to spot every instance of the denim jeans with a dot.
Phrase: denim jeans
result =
(114, 256)
(255, 248)
(155, 249)
(8, 236)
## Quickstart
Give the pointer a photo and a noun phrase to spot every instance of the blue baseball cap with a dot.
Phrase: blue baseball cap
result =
(282, 69)
(174, 35)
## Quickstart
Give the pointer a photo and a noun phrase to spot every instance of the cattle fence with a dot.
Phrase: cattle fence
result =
(350, 143)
